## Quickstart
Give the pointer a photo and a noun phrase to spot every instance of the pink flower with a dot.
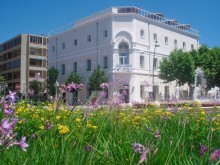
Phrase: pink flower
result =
(104, 85)
(215, 155)
(22, 143)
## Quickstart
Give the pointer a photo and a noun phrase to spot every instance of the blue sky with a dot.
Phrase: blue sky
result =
(43, 16)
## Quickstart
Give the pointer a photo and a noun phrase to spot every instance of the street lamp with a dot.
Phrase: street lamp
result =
(57, 85)
(155, 46)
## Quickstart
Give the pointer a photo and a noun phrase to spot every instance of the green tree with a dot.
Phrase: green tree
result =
(51, 80)
(98, 76)
(35, 85)
(210, 64)
(73, 77)
(179, 67)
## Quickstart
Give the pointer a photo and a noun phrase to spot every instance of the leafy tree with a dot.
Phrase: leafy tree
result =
(73, 77)
(51, 80)
(179, 67)
(98, 77)
(210, 62)
(35, 85)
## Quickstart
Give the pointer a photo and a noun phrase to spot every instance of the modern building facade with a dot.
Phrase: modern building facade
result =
(21, 58)
(128, 43)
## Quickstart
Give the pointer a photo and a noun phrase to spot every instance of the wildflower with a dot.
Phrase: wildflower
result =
(94, 127)
(156, 134)
(33, 136)
(88, 148)
(48, 126)
(139, 148)
(202, 150)
(78, 120)
(215, 155)
(22, 143)
(104, 85)
(57, 117)
(71, 87)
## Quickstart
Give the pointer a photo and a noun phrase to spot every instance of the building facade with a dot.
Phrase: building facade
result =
(22, 57)
(128, 43)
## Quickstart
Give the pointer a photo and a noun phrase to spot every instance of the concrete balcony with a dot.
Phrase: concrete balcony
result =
(126, 68)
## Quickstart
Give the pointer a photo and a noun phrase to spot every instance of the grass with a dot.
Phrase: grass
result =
(108, 135)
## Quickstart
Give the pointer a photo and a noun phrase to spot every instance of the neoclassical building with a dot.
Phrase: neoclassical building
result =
(128, 43)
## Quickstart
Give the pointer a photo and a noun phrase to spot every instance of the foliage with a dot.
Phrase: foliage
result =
(210, 62)
(35, 85)
(86, 136)
(96, 79)
(3, 85)
(73, 78)
(52, 77)
(179, 67)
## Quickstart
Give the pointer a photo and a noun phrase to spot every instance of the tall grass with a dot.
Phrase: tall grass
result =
(101, 136)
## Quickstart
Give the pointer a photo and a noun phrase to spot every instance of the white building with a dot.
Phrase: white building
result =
(123, 41)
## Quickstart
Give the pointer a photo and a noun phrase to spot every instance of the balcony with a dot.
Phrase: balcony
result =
(127, 68)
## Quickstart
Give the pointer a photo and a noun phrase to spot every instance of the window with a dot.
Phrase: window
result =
(184, 45)
(166, 40)
(142, 61)
(36, 40)
(89, 65)
(105, 33)
(63, 45)
(155, 37)
(75, 42)
(123, 53)
(166, 95)
(53, 48)
(142, 33)
(105, 62)
(89, 38)
(142, 91)
(175, 44)
(192, 47)
(75, 67)
(63, 69)
(155, 64)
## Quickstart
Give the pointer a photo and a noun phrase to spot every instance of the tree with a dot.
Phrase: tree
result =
(179, 67)
(210, 62)
(73, 77)
(35, 85)
(51, 80)
(98, 77)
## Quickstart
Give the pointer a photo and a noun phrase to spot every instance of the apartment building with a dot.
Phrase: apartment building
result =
(21, 58)
(128, 43)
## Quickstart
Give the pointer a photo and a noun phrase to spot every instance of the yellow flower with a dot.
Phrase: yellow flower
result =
(57, 117)
(63, 129)
(41, 127)
(88, 125)
(94, 127)
(42, 119)
(78, 120)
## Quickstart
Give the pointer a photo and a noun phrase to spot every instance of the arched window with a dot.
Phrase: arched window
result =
(123, 53)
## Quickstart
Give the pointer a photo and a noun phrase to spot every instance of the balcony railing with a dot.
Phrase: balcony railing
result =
(158, 17)
(123, 68)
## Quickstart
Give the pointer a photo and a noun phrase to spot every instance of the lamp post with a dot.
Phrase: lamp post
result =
(155, 46)
(57, 85)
